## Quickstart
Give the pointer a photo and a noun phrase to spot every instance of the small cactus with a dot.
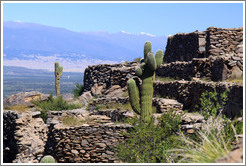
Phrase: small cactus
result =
(142, 102)
(58, 74)
(48, 159)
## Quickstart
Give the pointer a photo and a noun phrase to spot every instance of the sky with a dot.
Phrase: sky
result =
(154, 18)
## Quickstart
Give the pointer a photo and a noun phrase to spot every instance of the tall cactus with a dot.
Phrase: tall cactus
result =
(58, 74)
(142, 102)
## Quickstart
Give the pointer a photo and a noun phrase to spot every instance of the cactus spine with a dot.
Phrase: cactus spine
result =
(58, 74)
(142, 102)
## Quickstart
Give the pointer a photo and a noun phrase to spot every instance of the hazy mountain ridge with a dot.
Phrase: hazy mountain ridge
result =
(21, 39)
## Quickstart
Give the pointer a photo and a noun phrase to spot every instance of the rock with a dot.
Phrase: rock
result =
(85, 97)
(68, 97)
(190, 117)
(84, 142)
(114, 91)
(25, 98)
(235, 156)
(96, 90)
(36, 113)
(109, 152)
(74, 152)
(236, 72)
(101, 145)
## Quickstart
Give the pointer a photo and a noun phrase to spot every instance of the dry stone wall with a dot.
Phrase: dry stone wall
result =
(182, 47)
(225, 41)
(88, 143)
(212, 42)
(212, 68)
(106, 75)
(9, 142)
(189, 93)
(25, 135)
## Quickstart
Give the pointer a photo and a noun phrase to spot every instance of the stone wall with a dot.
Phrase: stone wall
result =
(212, 68)
(189, 93)
(9, 142)
(184, 47)
(225, 41)
(213, 41)
(106, 75)
(25, 135)
(86, 143)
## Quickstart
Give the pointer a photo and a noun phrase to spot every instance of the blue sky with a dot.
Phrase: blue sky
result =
(158, 19)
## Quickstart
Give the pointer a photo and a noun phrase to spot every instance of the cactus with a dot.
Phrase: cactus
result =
(48, 159)
(142, 102)
(58, 74)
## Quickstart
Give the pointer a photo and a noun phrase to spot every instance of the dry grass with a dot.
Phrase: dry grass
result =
(210, 147)
(21, 108)
(157, 78)
(74, 121)
(236, 80)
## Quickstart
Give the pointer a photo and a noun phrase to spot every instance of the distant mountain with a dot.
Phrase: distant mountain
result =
(27, 42)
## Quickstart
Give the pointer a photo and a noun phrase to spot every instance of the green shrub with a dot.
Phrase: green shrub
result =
(149, 143)
(54, 104)
(78, 91)
(212, 103)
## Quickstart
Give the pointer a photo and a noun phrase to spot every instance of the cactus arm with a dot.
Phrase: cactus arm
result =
(159, 57)
(139, 71)
(151, 61)
(134, 95)
(147, 49)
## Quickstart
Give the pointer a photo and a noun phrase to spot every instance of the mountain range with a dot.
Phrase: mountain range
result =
(38, 46)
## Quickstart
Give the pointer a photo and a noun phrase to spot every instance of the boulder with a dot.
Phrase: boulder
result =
(25, 98)
(235, 156)
(85, 97)
(114, 91)
(236, 72)
(96, 90)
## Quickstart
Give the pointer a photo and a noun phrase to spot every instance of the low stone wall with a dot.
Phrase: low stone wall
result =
(9, 142)
(213, 68)
(88, 143)
(189, 93)
(25, 135)
(108, 75)
(212, 42)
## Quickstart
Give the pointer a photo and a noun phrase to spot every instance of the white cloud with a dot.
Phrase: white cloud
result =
(141, 33)
(148, 34)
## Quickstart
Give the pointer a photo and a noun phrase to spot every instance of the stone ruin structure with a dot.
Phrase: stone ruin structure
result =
(215, 54)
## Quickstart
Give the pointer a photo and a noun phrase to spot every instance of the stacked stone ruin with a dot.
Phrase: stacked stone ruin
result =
(215, 54)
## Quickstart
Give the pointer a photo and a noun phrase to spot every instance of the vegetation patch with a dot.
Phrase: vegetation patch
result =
(73, 121)
(54, 104)
(149, 143)
(165, 79)
(78, 91)
(236, 80)
(21, 108)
